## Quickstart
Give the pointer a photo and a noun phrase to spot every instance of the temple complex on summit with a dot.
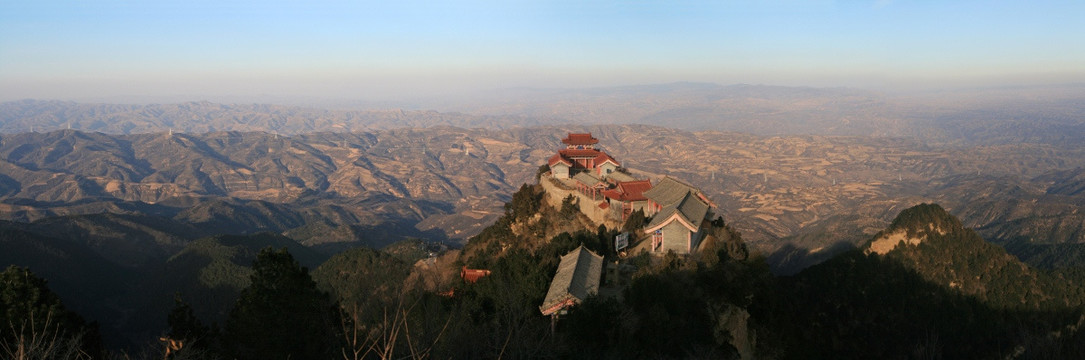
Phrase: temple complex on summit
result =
(677, 210)
(607, 193)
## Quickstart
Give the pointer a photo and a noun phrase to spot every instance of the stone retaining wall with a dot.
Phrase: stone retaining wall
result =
(556, 192)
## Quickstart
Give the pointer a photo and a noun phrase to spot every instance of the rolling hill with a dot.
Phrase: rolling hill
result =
(337, 190)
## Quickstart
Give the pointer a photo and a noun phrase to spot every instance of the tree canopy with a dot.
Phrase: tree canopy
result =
(281, 314)
(34, 323)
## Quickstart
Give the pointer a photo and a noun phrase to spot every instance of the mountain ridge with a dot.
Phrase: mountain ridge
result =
(446, 183)
(938, 247)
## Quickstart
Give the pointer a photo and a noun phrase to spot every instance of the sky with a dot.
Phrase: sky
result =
(390, 49)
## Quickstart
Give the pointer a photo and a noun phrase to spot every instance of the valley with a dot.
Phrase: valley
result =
(445, 184)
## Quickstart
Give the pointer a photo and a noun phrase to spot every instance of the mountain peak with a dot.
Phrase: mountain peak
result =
(925, 216)
(913, 226)
(944, 252)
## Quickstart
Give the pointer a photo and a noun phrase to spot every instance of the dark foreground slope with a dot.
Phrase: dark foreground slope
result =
(939, 292)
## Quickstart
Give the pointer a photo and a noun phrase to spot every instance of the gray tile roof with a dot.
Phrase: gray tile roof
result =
(669, 191)
(690, 208)
(693, 209)
(620, 176)
(586, 178)
(662, 215)
(676, 196)
(577, 278)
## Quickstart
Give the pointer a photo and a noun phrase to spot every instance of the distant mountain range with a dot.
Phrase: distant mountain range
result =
(203, 116)
(1052, 114)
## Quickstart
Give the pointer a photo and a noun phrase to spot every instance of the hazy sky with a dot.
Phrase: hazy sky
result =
(385, 49)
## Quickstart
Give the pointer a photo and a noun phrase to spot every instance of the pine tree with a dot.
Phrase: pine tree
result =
(35, 325)
(635, 222)
(183, 322)
(185, 327)
(281, 314)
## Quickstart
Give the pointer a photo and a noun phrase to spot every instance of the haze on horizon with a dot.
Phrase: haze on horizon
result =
(383, 50)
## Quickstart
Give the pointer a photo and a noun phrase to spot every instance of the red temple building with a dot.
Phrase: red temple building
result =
(580, 141)
(580, 155)
(628, 196)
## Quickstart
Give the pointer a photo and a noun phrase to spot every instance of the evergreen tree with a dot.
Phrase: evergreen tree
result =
(525, 202)
(635, 222)
(282, 314)
(544, 168)
(35, 325)
(185, 327)
(570, 207)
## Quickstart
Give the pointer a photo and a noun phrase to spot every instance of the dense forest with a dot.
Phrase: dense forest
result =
(942, 292)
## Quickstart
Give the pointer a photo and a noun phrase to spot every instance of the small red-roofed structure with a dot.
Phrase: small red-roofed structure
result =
(472, 275)
(629, 196)
(560, 166)
(629, 190)
(605, 165)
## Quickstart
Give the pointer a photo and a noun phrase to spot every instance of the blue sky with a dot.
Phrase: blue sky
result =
(389, 49)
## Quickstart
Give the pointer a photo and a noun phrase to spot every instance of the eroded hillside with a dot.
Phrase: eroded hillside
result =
(804, 193)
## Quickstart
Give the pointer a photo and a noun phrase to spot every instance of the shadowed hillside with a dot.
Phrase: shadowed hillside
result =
(338, 190)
